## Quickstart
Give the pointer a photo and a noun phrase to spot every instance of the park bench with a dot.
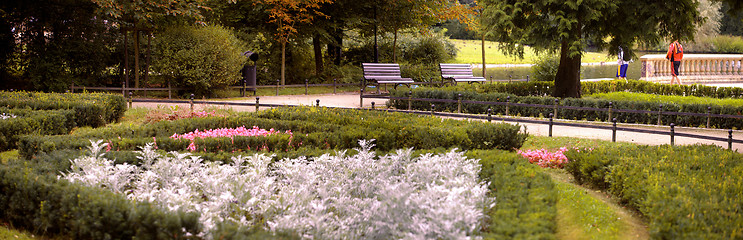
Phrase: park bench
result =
(458, 73)
(384, 73)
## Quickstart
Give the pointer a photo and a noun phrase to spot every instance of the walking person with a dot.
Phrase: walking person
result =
(675, 54)
(622, 63)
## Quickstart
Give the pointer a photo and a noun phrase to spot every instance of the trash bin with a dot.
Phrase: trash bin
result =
(248, 71)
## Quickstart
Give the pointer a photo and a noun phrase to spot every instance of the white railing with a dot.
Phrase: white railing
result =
(695, 68)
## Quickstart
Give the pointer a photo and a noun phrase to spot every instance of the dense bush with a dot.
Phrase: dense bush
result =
(199, 57)
(411, 48)
(27, 121)
(312, 127)
(545, 69)
(91, 109)
(548, 103)
(526, 197)
(538, 88)
(728, 44)
(689, 192)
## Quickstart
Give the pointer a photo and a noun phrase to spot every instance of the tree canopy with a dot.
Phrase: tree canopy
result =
(568, 26)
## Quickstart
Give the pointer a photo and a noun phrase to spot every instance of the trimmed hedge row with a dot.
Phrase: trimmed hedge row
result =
(526, 197)
(91, 109)
(34, 199)
(29, 121)
(322, 128)
(679, 120)
(540, 88)
(689, 192)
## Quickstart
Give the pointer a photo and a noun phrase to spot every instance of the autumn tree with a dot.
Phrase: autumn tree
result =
(566, 26)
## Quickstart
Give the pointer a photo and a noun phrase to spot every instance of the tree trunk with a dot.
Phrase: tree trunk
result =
(334, 47)
(317, 45)
(136, 57)
(283, 62)
(567, 80)
(394, 47)
(483, 55)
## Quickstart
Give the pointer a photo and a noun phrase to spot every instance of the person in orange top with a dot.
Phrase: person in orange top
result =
(675, 54)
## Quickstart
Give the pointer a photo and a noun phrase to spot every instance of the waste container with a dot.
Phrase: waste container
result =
(248, 71)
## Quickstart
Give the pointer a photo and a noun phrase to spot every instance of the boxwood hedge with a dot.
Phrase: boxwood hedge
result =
(91, 109)
(686, 192)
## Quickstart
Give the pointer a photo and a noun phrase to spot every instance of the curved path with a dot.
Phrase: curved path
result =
(351, 100)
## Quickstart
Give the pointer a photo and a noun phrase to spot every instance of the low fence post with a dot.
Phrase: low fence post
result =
(318, 102)
(508, 103)
(730, 139)
(410, 100)
(123, 88)
(257, 103)
(491, 79)
(459, 103)
(554, 107)
(614, 130)
(306, 86)
(335, 81)
(72, 88)
(611, 106)
(550, 131)
(130, 100)
(361, 98)
(433, 106)
(709, 114)
(191, 101)
(527, 78)
(673, 132)
(509, 78)
(660, 113)
(277, 87)
(245, 87)
(170, 93)
(372, 105)
(490, 115)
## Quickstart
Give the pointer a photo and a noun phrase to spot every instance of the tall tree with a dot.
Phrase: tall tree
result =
(566, 26)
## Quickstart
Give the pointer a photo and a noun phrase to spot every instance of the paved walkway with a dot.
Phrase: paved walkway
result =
(351, 100)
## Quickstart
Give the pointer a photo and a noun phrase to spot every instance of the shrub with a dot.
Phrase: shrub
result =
(526, 197)
(37, 200)
(199, 57)
(728, 44)
(687, 192)
(411, 48)
(545, 69)
(320, 128)
(27, 121)
(393, 196)
(91, 109)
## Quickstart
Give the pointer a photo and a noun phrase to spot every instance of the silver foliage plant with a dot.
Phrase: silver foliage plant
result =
(328, 197)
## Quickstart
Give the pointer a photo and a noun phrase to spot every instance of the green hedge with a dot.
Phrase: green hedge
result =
(545, 88)
(679, 120)
(689, 192)
(321, 128)
(526, 197)
(34, 199)
(91, 109)
(29, 121)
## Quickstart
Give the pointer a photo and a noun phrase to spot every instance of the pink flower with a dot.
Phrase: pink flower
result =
(226, 132)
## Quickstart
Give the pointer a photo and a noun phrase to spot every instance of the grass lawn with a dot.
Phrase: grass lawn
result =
(470, 51)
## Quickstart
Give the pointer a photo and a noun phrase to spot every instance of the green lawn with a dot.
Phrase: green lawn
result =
(470, 51)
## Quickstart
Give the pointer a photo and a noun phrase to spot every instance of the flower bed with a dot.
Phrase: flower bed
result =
(328, 197)
(225, 132)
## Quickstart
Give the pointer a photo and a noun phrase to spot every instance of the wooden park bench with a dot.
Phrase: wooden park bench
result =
(384, 73)
(458, 73)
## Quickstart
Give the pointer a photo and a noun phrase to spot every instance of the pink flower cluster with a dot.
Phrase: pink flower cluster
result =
(226, 132)
(545, 158)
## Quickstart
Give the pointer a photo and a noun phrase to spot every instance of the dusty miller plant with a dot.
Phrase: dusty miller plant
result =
(328, 197)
